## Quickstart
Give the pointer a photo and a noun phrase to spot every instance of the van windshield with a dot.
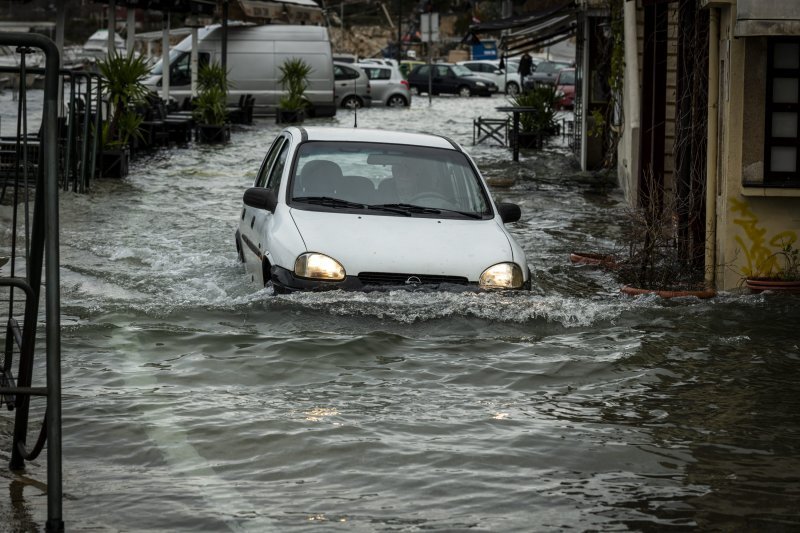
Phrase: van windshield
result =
(158, 68)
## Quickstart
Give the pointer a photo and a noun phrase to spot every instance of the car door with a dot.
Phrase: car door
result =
(344, 82)
(256, 224)
(445, 80)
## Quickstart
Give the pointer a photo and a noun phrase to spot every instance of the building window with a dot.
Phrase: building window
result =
(782, 133)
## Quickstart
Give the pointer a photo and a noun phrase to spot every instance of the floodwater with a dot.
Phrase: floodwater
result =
(195, 401)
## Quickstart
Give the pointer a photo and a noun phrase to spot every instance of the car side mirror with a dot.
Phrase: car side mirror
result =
(261, 198)
(509, 212)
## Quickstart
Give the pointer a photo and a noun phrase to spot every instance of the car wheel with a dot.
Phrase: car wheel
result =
(396, 101)
(512, 89)
(464, 91)
(351, 102)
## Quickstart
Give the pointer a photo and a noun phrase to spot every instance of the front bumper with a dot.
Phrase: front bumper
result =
(284, 281)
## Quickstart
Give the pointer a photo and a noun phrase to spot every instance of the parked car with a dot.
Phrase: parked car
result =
(407, 65)
(544, 72)
(336, 208)
(388, 85)
(565, 88)
(488, 68)
(351, 87)
(449, 79)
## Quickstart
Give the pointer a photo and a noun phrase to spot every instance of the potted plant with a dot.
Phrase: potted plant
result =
(294, 80)
(540, 123)
(210, 110)
(123, 76)
(653, 260)
(779, 271)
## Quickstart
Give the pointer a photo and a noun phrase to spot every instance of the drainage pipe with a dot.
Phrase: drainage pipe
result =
(712, 149)
(632, 89)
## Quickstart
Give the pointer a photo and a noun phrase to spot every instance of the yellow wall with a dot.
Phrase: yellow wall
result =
(752, 222)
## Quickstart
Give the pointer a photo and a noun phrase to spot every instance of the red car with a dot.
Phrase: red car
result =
(565, 88)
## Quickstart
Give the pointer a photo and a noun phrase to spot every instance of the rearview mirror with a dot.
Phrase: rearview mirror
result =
(509, 212)
(260, 198)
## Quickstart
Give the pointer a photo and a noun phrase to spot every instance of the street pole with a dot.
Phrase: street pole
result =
(399, 31)
(430, 68)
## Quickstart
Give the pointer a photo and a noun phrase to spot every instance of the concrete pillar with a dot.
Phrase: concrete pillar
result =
(165, 58)
(112, 23)
(130, 28)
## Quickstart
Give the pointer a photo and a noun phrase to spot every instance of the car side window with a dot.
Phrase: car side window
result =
(344, 73)
(263, 172)
(275, 175)
(423, 70)
(443, 71)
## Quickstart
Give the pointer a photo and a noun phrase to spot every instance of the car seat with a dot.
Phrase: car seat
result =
(319, 177)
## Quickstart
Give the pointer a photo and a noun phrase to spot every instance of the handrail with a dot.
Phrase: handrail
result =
(46, 231)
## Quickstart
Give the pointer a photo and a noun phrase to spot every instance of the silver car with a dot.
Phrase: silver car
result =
(389, 87)
(351, 87)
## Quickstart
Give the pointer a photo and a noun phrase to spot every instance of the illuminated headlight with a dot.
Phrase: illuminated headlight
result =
(502, 276)
(480, 84)
(318, 266)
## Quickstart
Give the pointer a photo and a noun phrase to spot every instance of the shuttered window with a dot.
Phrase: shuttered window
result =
(782, 135)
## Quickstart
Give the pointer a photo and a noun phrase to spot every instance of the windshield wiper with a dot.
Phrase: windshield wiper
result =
(408, 208)
(328, 201)
(411, 208)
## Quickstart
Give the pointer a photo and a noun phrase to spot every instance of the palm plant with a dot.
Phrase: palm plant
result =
(294, 80)
(210, 104)
(123, 76)
(541, 121)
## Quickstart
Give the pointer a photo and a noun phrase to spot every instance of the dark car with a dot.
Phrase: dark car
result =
(544, 73)
(449, 79)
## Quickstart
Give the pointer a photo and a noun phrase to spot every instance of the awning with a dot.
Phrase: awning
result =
(293, 11)
(755, 18)
(197, 7)
(537, 29)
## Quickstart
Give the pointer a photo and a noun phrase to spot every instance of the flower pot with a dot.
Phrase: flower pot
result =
(289, 116)
(114, 163)
(206, 133)
(698, 293)
(778, 285)
(587, 258)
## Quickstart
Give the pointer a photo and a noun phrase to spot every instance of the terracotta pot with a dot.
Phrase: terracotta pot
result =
(700, 293)
(587, 258)
(777, 285)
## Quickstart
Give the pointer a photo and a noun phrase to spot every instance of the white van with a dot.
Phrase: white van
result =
(255, 54)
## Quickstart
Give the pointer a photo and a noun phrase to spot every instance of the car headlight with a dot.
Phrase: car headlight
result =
(560, 94)
(318, 266)
(480, 84)
(502, 276)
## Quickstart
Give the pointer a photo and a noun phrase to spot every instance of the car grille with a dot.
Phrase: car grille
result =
(390, 278)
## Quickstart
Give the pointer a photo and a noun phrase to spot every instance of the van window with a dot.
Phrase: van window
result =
(180, 70)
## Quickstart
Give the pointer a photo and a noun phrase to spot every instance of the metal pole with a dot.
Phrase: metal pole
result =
(130, 28)
(194, 61)
(399, 31)
(112, 23)
(165, 66)
(224, 59)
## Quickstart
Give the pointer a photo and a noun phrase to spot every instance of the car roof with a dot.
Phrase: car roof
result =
(321, 133)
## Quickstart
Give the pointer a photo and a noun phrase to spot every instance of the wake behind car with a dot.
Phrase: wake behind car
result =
(337, 208)
(449, 79)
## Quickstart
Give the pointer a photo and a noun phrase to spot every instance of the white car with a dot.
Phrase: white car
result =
(341, 208)
(489, 68)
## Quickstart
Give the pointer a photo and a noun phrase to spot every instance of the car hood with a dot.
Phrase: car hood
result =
(400, 244)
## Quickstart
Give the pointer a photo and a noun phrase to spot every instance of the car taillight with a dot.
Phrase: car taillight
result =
(404, 82)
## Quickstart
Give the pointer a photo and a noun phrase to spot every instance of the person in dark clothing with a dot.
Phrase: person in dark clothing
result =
(525, 67)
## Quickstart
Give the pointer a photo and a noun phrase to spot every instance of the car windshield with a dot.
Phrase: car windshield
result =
(461, 70)
(387, 179)
(566, 77)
